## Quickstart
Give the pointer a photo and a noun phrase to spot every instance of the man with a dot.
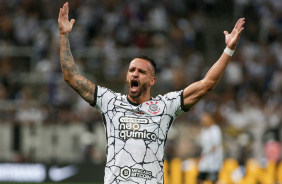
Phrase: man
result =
(136, 124)
(212, 154)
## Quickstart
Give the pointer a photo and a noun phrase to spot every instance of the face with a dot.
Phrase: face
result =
(207, 120)
(139, 77)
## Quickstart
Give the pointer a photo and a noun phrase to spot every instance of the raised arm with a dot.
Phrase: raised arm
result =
(80, 84)
(194, 92)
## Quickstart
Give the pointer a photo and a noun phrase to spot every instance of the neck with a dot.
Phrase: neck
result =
(209, 125)
(141, 99)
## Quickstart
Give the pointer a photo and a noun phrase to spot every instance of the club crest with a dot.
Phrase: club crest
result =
(153, 107)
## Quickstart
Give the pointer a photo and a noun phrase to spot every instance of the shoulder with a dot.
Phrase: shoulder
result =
(103, 90)
(174, 98)
(170, 96)
(215, 128)
(104, 96)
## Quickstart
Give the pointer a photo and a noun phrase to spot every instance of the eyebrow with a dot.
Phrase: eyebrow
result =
(144, 71)
(139, 69)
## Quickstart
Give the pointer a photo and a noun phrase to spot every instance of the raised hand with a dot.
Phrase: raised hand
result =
(232, 39)
(65, 26)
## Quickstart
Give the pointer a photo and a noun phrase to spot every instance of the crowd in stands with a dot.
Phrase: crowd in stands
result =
(181, 36)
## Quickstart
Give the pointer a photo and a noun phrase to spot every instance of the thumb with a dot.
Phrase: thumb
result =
(225, 32)
(72, 21)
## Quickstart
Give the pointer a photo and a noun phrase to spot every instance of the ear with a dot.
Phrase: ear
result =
(153, 80)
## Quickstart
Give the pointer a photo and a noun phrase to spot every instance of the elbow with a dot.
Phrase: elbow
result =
(209, 85)
(67, 79)
(70, 79)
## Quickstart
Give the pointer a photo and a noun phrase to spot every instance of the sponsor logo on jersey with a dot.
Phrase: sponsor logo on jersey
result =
(127, 172)
(153, 107)
(125, 119)
(130, 128)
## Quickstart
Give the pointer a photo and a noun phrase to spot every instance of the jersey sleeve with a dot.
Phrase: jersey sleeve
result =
(175, 104)
(102, 98)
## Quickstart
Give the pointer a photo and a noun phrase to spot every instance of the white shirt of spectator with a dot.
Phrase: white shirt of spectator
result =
(211, 160)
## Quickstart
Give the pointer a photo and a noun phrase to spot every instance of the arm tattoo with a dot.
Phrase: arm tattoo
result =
(67, 62)
(85, 88)
(80, 84)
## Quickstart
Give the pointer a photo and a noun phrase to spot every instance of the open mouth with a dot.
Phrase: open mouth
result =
(134, 84)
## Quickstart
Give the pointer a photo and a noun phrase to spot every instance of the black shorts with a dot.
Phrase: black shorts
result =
(212, 176)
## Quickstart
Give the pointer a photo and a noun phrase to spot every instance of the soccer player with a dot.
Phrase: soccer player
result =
(137, 124)
(211, 157)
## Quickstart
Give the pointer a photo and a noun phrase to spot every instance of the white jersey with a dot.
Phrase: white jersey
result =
(136, 135)
(211, 160)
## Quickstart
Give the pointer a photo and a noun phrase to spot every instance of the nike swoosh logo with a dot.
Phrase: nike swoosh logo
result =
(122, 104)
(59, 174)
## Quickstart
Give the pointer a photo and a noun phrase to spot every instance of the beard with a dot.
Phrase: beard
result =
(141, 89)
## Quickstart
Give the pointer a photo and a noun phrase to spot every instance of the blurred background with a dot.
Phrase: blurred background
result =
(45, 126)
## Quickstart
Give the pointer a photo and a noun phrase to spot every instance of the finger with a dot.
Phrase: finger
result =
(67, 7)
(238, 34)
(242, 21)
(72, 21)
(239, 22)
(67, 10)
(241, 30)
(225, 33)
(64, 9)
(60, 13)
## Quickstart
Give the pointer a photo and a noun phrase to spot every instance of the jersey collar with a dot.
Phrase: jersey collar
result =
(133, 103)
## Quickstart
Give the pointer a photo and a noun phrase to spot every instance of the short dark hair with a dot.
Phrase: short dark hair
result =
(147, 58)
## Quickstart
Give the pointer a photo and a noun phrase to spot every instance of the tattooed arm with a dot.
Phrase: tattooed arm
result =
(80, 84)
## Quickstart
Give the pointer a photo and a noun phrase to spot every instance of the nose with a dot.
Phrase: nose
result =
(135, 73)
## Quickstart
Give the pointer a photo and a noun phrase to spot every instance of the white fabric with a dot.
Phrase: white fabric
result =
(211, 160)
(136, 135)
(229, 51)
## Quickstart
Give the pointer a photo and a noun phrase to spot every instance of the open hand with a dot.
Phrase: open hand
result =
(232, 39)
(65, 26)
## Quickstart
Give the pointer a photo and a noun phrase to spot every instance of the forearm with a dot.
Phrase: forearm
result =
(80, 84)
(231, 40)
(66, 59)
(216, 71)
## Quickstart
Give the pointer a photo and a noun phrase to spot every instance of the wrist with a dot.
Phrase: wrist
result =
(63, 34)
(229, 51)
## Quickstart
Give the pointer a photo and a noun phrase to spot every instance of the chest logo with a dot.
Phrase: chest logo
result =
(130, 127)
(153, 107)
